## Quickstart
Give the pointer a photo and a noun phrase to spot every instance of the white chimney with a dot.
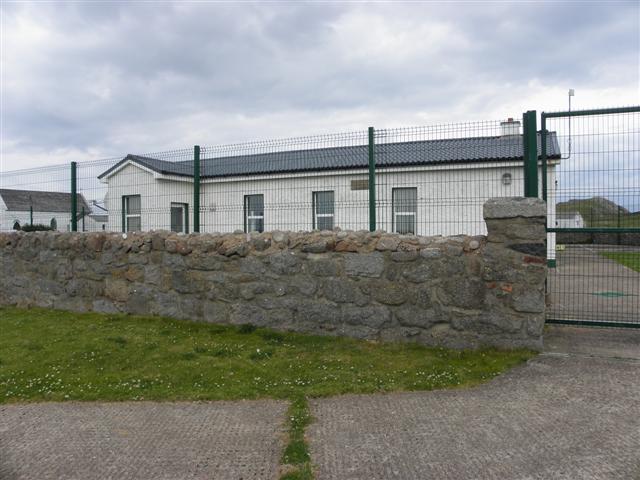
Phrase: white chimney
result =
(510, 127)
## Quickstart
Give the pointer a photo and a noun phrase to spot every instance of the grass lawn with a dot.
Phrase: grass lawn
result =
(48, 355)
(628, 259)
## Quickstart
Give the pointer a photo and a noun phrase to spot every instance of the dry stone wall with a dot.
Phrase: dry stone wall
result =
(453, 291)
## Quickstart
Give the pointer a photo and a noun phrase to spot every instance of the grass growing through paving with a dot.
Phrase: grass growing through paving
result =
(48, 355)
(628, 259)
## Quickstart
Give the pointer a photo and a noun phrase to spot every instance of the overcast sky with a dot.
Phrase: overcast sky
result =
(84, 81)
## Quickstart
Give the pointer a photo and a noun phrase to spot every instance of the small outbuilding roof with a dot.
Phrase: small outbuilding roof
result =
(23, 200)
(568, 215)
(427, 152)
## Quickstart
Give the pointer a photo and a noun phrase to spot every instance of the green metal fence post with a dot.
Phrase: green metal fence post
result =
(83, 225)
(196, 188)
(543, 153)
(31, 214)
(74, 197)
(372, 181)
(530, 150)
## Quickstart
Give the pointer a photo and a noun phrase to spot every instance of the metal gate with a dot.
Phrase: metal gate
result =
(593, 225)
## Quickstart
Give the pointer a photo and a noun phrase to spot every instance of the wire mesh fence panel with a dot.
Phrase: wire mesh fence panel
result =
(303, 183)
(595, 217)
(435, 180)
(37, 198)
(138, 192)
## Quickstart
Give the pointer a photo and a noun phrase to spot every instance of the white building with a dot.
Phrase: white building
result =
(52, 209)
(434, 187)
(570, 220)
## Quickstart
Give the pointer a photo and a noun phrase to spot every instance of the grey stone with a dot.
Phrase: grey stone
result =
(215, 312)
(474, 245)
(430, 253)
(388, 242)
(316, 247)
(535, 249)
(405, 256)
(410, 316)
(242, 314)
(364, 264)
(511, 207)
(322, 266)
(284, 263)
(530, 301)
(252, 265)
(389, 293)
(278, 237)
(342, 291)
(412, 291)
(373, 316)
(418, 273)
(116, 289)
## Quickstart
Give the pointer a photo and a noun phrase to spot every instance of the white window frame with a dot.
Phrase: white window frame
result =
(185, 212)
(317, 215)
(395, 214)
(248, 215)
(127, 215)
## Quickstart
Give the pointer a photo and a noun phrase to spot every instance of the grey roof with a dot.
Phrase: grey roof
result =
(426, 152)
(23, 200)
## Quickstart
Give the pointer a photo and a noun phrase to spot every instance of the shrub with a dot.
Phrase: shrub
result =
(35, 228)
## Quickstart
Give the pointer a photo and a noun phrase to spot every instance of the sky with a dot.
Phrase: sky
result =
(83, 81)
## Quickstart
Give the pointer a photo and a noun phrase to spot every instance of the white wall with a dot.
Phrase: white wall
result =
(450, 197)
(7, 219)
(156, 196)
(576, 221)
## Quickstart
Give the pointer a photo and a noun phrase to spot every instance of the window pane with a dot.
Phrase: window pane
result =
(177, 218)
(133, 205)
(133, 224)
(255, 205)
(254, 213)
(405, 199)
(255, 225)
(324, 223)
(324, 202)
(405, 206)
(405, 224)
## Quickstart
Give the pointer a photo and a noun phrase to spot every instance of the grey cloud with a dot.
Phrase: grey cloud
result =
(121, 67)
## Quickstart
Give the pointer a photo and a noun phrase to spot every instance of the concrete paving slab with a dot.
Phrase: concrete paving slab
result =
(586, 285)
(142, 440)
(592, 341)
(557, 417)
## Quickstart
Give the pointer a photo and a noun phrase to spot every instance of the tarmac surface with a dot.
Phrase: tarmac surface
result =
(567, 414)
(142, 440)
(586, 285)
(571, 413)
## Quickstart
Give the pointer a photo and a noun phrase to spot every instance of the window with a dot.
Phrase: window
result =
(253, 213)
(53, 224)
(131, 207)
(405, 203)
(180, 217)
(323, 210)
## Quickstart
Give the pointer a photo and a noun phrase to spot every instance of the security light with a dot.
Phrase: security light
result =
(506, 179)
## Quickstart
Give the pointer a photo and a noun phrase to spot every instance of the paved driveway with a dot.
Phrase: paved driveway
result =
(572, 413)
(558, 417)
(586, 285)
(142, 440)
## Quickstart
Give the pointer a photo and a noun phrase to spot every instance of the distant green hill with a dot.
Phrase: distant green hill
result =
(600, 212)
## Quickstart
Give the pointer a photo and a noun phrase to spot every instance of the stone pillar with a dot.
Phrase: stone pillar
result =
(516, 264)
